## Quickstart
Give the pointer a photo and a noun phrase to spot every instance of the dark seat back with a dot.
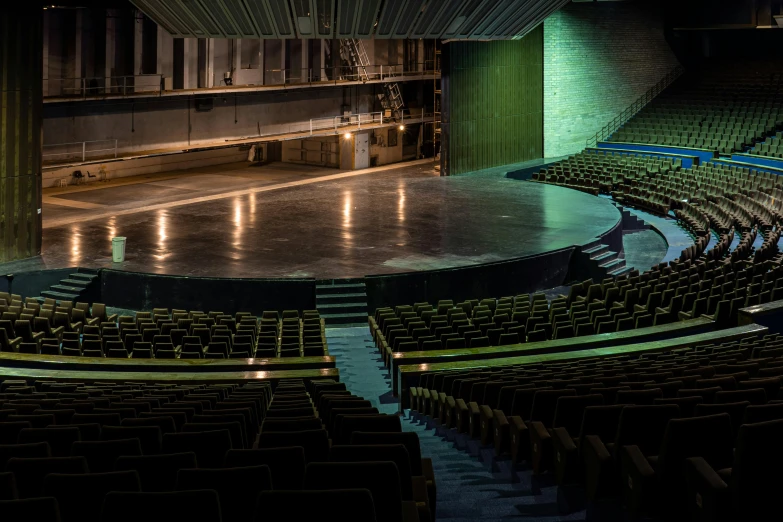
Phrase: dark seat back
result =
(381, 478)
(202, 505)
(314, 442)
(156, 473)
(80, 497)
(30, 472)
(286, 465)
(237, 488)
(352, 505)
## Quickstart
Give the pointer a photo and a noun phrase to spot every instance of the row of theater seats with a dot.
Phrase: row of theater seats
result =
(230, 452)
(670, 434)
(598, 171)
(677, 291)
(724, 112)
(161, 333)
(469, 324)
(772, 148)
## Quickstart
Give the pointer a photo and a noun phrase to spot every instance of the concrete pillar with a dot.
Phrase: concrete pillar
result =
(165, 62)
(262, 61)
(21, 81)
(45, 72)
(211, 82)
(78, 69)
(306, 73)
(322, 44)
(190, 64)
(274, 61)
(111, 37)
(138, 42)
(236, 62)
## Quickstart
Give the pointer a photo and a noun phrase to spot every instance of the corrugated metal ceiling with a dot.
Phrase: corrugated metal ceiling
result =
(444, 19)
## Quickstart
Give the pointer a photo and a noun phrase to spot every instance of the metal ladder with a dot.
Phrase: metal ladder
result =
(356, 55)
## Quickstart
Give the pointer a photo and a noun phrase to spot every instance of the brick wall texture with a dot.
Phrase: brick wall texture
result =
(598, 59)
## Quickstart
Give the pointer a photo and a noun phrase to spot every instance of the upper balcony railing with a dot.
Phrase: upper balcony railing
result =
(156, 84)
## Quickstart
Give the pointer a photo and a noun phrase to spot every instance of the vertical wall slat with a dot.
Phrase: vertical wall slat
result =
(21, 100)
(494, 103)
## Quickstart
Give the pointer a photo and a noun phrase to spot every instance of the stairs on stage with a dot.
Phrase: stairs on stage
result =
(76, 287)
(342, 302)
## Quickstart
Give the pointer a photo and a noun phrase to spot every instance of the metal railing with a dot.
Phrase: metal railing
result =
(103, 86)
(155, 83)
(631, 111)
(340, 124)
(347, 73)
(80, 150)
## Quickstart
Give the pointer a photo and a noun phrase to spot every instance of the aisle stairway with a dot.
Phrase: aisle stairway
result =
(80, 285)
(342, 301)
(468, 490)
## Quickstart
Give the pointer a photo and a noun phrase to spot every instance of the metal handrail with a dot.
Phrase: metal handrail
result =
(129, 85)
(633, 109)
(83, 151)
(97, 85)
(338, 124)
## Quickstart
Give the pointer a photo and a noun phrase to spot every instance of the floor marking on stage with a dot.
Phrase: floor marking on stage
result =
(50, 200)
(203, 199)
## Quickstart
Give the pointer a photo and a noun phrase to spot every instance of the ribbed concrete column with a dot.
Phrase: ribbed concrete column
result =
(21, 103)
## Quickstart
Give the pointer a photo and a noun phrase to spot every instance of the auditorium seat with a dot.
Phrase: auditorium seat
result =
(80, 497)
(381, 478)
(656, 483)
(157, 473)
(43, 509)
(31, 472)
(347, 505)
(202, 505)
(100, 456)
(237, 487)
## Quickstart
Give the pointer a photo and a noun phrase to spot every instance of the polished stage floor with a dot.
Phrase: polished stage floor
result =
(287, 220)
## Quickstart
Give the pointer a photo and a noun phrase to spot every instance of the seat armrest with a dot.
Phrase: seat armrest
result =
(16, 341)
(487, 424)
(637, 480)
(598, 468)
(112, 318)
(419, 485)
(432, 488)
(566, 457)
(540, 447)
(520, 439)
(448, 417)
(706, 491)
(462, 416)
(501, 431)
(77, 326)
(684, 316)
(639, 308)
(410, 513)
(474, 420)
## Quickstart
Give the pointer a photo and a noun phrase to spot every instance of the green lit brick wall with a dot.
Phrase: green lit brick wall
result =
(492, 104)
(598, 59)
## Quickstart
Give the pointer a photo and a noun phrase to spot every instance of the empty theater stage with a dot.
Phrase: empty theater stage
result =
(398, 220)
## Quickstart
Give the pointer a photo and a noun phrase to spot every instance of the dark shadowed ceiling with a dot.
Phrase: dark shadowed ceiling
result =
(445, 19)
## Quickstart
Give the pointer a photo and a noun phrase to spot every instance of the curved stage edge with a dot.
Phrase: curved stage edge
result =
(144, 291)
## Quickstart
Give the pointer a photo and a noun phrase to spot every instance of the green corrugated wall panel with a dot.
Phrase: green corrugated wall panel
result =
(496, 102)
